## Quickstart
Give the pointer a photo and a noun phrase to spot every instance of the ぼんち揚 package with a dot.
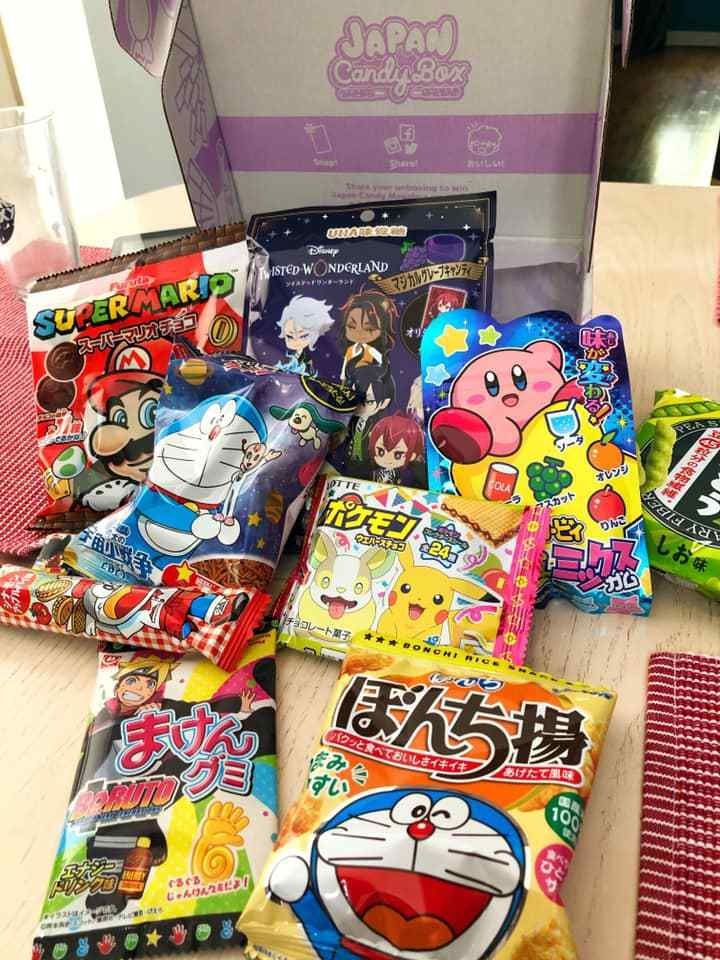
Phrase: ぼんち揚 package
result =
(412, 565)
(100, 338)
(172, 810)
(443, 802)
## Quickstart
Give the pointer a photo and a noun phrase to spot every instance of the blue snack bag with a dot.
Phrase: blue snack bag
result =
(539, 411)
(236, 446)
(350, 291)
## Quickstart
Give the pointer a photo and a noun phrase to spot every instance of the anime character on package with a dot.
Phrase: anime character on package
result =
(100, 339)
(236, 445)
(351, 290)
(443, 802)
(412, 565)
(539, 410)
(172, 809)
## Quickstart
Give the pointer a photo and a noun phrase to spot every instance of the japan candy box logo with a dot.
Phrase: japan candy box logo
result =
(411, 847)
(398, 60)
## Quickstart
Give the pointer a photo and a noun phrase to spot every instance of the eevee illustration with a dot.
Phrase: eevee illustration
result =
(342, 585)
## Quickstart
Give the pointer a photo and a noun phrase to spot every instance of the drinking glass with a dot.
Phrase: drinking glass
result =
(563, 425)
(36, 233)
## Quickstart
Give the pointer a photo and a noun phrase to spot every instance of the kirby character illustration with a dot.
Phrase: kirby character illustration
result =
(493, 398)
(409, 873)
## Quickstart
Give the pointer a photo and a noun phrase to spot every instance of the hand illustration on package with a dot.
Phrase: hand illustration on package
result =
(539, 410)
(172, 810)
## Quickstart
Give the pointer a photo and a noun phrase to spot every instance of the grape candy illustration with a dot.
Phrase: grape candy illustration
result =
(547, 478)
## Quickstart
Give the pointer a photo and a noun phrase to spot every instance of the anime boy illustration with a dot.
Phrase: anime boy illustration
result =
(369, 318)
(395, 442)
(303, 321)
(124, 398)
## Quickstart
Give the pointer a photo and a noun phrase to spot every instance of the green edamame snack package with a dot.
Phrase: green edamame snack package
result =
(680, 488)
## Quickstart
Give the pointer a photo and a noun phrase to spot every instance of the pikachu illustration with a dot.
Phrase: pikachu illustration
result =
(341, 588)
(420, 599)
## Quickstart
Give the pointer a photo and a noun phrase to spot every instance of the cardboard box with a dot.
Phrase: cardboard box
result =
(274, 104)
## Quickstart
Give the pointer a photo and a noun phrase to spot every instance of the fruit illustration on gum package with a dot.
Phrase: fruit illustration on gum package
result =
(547, 479)
(605, 505)
(603, 454)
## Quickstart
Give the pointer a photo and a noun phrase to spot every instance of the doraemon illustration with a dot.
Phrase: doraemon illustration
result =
(201, 462)
(411, 874)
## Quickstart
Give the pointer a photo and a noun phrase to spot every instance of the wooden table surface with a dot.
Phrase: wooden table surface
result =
(656, 260)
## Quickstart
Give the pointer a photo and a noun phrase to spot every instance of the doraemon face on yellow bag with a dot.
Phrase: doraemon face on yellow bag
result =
(539, 410)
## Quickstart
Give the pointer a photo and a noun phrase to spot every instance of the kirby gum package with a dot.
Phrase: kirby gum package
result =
(412, 565)
(538, 410)
(172, 811)
(175, 619)
(100, 339)
(236, 446)
(442, 806)
(680, 455)
(351, 290)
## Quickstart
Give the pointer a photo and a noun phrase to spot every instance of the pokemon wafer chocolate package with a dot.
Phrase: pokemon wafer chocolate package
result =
(413, 565)
(680, 450)
(538, 410)
(100, 338)
(442, 806)
(173, 809)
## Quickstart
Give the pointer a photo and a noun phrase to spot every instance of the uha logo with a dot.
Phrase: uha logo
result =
(398, 60)
(483, 140)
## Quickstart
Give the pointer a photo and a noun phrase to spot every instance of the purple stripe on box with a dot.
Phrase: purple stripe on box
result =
(538, 143)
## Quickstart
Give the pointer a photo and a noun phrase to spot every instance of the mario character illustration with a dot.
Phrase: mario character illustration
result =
(124, 401)
(495, 396)
(407, 873)
(307, 423)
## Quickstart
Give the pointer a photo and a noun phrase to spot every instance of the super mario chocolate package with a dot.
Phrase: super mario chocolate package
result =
(217, 624)
(680, 450)
(100, 339)
(236, 446)
(173, 809)
(351, 290)
(413, 565)
(440, 814)
(538, 410)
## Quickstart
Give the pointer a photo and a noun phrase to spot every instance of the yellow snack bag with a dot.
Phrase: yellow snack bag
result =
(442, 806)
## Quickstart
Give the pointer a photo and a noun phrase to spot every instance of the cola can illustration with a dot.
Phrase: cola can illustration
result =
(500, 482)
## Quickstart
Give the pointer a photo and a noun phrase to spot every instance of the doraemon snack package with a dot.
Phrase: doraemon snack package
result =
(538, 410)
(351, 290)
(100, 338)
(236, 446)
(218, 624)
(680, 454)
(172, 811)
(442, 806)
(413, 565)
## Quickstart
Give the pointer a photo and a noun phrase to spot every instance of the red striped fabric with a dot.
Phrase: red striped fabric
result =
(678, 915)
(22, 488)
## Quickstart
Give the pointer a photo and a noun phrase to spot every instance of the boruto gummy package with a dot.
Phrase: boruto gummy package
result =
(173, 809)
(236, 446)
(412, 565)
(538, 410)
(351, 290)
(100, 338)
(443, 802)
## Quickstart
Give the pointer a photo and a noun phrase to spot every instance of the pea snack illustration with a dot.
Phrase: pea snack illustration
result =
(680, 449)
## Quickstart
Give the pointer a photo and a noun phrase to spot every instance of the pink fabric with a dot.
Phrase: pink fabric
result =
(22, 488)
